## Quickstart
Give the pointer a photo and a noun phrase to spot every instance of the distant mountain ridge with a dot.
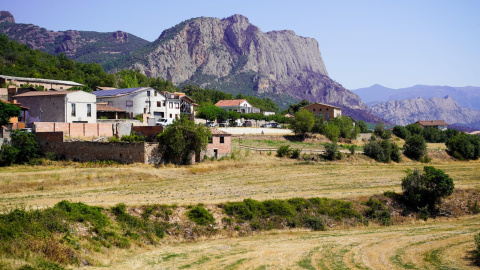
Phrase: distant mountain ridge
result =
(81, 46)
(227, 54)
(467, 97)
(408, 111)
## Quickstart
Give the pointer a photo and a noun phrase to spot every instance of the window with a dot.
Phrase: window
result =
(210, 139)
(129, 103)
(222, 139)
(163, 104)
(320, 109)
(159, 103)
(148, 93)
(327, 109)
(313, 109)
(177, 105)
(155, 93)
(176, 116)
(147, 103)
(74, 112)
(170, 115)
(89, 110)
(170, 105)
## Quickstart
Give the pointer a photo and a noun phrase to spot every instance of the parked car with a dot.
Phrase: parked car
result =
(27, 130)
(224, 124)
(164, 122)
(210, 124)
(275, 125)
(265, 126)
(247, 123)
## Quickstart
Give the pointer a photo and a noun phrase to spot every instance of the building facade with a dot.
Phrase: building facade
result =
(237, 105)
(438, 124)
(220, 144)
(147, 101)
(324, 110)
(59, 106)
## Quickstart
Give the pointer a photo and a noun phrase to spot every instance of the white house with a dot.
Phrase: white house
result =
(147, 101)
(238, 105)
(59, 106)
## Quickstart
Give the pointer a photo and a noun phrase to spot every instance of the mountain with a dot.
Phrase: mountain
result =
(468, 97)
(81, 46)
(235, 56)
(227, 54)
(408, 111)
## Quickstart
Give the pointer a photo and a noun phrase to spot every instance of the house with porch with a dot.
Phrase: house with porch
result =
(237, 105)
(438, 124)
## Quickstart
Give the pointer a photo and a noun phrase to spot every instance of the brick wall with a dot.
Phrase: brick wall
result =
(223, 149)
(55, 136)
(77, 130)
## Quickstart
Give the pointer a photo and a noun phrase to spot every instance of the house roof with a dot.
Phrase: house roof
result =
(231, 102)
(16, 104)
(38, 80)
(43, 93)
(328, 105)
(119, 92)
(99, 88)
(289, 115)
(101, 107)
(432, 123)
(215, 131)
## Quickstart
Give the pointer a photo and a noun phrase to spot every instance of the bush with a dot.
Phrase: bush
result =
(414, 129)
(427, 189)
(23, 149)
(415, 147)
(331, 151)
(477, 244)
(133, 137)
(200, 216)
(383, 151)
(296, 153)
(284, 151)
(464, 147)
(401, 132)
(378, 210)
(379, 129)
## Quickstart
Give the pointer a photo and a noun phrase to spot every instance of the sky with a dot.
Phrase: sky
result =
(395, 43)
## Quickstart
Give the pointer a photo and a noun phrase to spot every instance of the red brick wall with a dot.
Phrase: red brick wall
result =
(223, 149)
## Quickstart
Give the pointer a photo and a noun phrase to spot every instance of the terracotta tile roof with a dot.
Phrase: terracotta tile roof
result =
(16, 104)
(431, 123)
(228, 103)
(215, 131)
(328, 105)
(107, 108)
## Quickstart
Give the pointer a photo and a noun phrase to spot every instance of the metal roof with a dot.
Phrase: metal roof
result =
(118, 92)
(38, 80)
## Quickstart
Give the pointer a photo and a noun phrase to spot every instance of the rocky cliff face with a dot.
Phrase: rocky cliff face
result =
(408, 111)
(83, 46)
(235, 56)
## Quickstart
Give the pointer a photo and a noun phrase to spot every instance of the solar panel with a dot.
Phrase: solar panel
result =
(115, 92)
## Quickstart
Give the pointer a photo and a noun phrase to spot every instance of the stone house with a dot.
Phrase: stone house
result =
(59, 106)
(147, 101)
(323, 110)
(438, 124)
(237, 105)
(47, 84)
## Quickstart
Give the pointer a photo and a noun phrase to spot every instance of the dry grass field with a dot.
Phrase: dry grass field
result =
(436, 244)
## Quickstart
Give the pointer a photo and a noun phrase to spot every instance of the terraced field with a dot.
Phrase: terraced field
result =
(436, 244)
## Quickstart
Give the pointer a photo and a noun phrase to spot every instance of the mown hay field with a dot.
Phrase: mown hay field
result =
(435, 244)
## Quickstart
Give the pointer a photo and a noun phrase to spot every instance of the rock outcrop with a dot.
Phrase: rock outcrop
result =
(235, 56)
(83, 46)
(408, 111)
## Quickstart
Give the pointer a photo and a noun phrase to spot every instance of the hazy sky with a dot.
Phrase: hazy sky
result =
(395, 43)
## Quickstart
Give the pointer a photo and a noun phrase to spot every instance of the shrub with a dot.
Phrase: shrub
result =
(8, 155)
(379, 129)
(464, 147)
(284, 151)
(133, 137)
(331, 151)
(427, 189)
(414, 129)
(314, 223)
(383, 151)
(378, 210)
(296, 153)
(415, 147)
(200, 216)
(401, 132)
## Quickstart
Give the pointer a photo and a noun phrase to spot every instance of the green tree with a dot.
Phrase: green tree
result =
(427, 189)
(346, 125)
(8, 111)
(210, 112)
(414, 129)
(294, 108)
(303, 122)
(415, 147)
(182, 139)
(332, 132)
(401, 132)
(362, 125)
(464, 147)
(379, 129)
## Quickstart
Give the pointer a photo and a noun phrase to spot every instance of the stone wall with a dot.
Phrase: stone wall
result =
(122, 152)
(150, 132)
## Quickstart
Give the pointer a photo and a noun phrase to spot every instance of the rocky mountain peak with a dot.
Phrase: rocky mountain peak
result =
(6, 16)
(120, 36)
(238, 19)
